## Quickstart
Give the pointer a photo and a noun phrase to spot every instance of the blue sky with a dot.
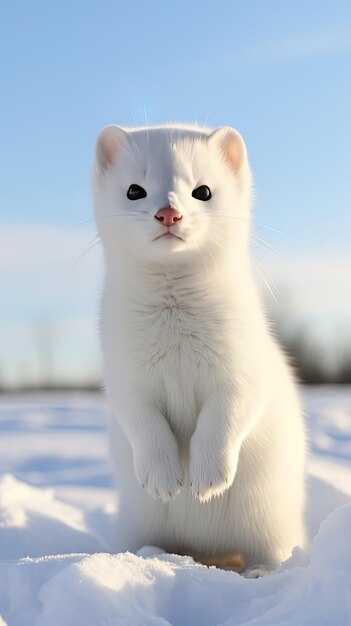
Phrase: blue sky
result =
(278, 71)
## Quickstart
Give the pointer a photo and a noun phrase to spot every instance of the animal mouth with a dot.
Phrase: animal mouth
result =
(168, 235)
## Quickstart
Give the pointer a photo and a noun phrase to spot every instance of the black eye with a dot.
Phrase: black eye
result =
(202, 193)
(135, 192)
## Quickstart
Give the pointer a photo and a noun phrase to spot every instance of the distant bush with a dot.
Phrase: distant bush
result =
(315, 364)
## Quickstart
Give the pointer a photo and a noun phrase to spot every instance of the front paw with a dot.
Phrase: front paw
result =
(211, 470)
(158, 470)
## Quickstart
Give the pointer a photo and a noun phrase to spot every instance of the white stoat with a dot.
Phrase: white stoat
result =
(206, 429)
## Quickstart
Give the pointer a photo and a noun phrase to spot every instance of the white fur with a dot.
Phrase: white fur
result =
(206, 429)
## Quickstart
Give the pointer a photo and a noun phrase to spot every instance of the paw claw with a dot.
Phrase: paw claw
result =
(159, 471)
(211, 474)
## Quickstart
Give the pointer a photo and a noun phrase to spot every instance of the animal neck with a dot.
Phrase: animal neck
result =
(179, 283)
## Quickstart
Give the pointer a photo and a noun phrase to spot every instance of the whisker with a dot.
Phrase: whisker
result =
(207, 116)
(209, 251)
(85, 222)
(105, 217)
(128, 153)
(140, 164)
(113, 215)
(93, 243)
(147, 130)
(130, 134)
(276, 230)
(132, 115)
(246, 219)
(213, 258)
(229, 217)
(266, 278)
(198, 250)
(265, 244)
(217, 243)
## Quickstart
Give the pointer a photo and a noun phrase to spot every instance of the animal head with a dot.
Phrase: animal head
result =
(171, 194)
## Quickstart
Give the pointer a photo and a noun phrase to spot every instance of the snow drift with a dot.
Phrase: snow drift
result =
(56, 542)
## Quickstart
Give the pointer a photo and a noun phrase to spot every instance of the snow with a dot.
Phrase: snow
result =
(58, 566)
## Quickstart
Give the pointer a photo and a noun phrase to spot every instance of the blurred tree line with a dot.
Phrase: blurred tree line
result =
(314, 362)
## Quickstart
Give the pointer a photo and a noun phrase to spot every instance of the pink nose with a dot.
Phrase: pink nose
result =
(168, 216)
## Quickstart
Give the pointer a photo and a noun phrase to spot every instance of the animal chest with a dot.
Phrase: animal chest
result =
(178, 337)
(179, 349)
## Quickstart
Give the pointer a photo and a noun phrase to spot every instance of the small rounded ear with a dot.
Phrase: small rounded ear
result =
(231, 145)
(107, 145)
